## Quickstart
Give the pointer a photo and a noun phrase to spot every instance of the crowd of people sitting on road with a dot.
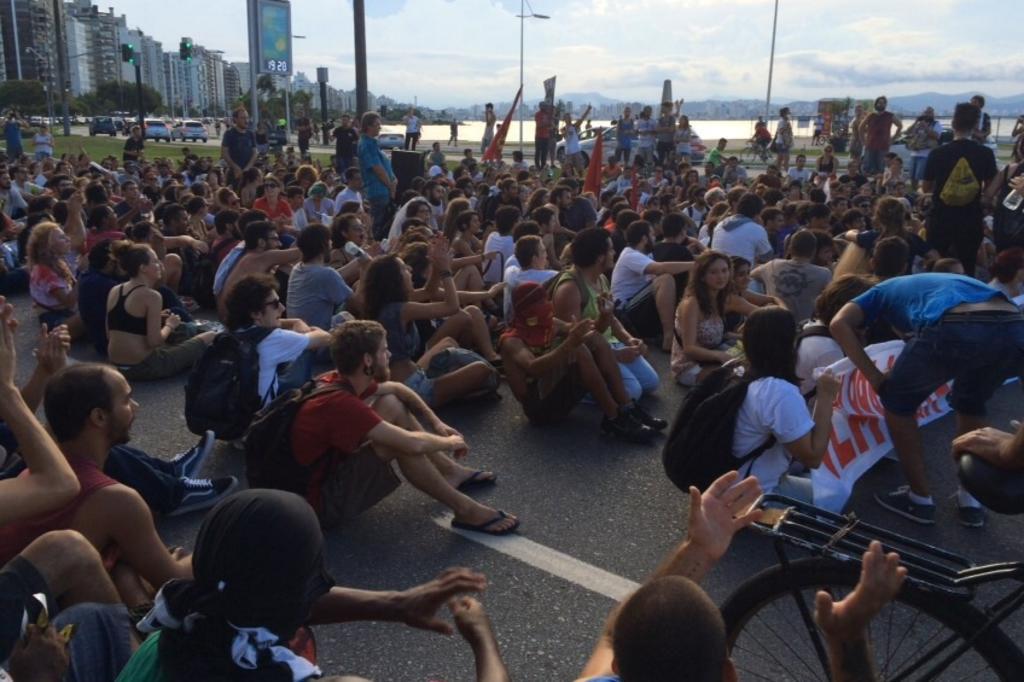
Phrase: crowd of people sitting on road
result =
(326, 314)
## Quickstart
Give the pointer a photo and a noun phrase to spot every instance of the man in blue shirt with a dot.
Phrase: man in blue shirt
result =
(12, 136)
(238, 147)
(376, 169)
(962, 330)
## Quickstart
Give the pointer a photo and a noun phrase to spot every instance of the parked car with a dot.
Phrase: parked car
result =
(157, 130)
(102, 125)
(277, 137)
(391, 140)
(190, 130)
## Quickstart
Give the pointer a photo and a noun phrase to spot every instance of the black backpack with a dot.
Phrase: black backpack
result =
(699, 446)
(269, 461)
(1007, 225)
(222, 393)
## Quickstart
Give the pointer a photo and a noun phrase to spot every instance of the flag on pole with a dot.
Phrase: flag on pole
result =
(549, 91)
(493, 152)
(592, 183)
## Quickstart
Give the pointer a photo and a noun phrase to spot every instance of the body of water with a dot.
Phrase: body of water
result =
(471, 132)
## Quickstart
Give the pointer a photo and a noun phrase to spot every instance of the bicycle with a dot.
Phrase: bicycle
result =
(934, 629)
(753, 151)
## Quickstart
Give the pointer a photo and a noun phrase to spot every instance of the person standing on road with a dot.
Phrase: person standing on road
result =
(783, 139)
(983, 128)
(453, 132)
(133, 146)
(345, 140)
(304, 128)
(856, 135)
(12, 135)
(666, 133)
(489, 120)
(42, 143)
(877, 134)
(625, 131)
(412, 129)
(543, 122)
(380, 180)
(963, 330)
(238, 148)
(956, 175)
(922, 138)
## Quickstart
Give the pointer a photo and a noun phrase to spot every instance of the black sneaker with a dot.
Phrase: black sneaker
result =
(972, 517)
(627, 428)
(899, 502)
(203, 493)
(191, 461)
(641, 415)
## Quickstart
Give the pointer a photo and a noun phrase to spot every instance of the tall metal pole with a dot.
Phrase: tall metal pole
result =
(359, 23)
(138, 93)
(17, 44)
(254, 103)
(522, 24)
(771, 65)
(63, 77)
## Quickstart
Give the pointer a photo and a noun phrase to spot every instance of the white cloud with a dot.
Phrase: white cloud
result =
(467, 51)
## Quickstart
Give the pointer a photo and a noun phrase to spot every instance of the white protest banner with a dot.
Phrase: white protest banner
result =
(859, 435)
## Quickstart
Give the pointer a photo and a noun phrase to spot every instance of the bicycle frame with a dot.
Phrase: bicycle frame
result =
(845, 538)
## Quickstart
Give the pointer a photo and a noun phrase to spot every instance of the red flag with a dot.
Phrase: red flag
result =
(592, 183)
(634, 191)
(493, 152)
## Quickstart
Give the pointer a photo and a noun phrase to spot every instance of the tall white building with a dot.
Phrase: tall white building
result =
(80, 74)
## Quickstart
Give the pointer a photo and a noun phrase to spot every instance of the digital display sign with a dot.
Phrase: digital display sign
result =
(274, 18)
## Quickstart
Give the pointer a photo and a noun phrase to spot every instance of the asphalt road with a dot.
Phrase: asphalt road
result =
(597, 501)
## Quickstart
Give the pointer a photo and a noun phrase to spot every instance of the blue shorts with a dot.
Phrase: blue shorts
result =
(978, 351)
(419, 382)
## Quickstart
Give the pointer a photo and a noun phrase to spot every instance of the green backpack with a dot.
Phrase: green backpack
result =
(962, 186)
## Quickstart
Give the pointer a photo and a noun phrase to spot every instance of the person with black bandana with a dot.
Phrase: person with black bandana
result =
(259, 579)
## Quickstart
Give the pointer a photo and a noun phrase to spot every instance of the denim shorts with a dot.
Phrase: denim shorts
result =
(419, 382)
(977, 350)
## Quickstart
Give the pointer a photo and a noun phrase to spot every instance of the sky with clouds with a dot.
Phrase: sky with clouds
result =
(460, 52)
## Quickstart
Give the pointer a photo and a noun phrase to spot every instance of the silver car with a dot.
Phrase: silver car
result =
(391, 141)
(190, 130)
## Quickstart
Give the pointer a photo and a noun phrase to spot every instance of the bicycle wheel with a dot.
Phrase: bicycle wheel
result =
(771, 636)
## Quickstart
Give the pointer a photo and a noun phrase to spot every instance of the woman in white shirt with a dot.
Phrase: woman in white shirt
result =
(775, 408)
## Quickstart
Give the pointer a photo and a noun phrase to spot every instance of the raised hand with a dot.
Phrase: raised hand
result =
(722, 510)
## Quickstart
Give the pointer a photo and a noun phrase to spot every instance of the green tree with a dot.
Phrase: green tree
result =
(28, 97)
(122, 96)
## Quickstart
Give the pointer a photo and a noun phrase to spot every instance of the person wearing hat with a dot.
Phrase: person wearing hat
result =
(259, 577)
(550, 365)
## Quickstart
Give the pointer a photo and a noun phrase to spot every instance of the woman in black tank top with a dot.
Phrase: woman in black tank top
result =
(140, 334)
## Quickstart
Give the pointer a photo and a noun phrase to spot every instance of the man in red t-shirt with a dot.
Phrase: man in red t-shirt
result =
(369, 414)
(542, 121)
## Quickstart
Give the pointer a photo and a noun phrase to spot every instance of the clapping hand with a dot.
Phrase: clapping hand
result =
(881, 578)
(52, 352)
(720, 511)
(418, 606)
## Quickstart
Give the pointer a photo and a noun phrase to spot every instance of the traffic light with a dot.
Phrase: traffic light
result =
(185, 50)
(128, 53)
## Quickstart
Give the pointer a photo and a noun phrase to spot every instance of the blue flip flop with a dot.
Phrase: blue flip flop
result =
(475, 481)
(483, 527)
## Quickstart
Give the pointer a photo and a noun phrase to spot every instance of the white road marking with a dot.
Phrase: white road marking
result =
(549, 560)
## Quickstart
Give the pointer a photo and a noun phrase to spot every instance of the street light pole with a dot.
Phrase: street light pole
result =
(771, 65)
(523, 16)
(17, 44)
